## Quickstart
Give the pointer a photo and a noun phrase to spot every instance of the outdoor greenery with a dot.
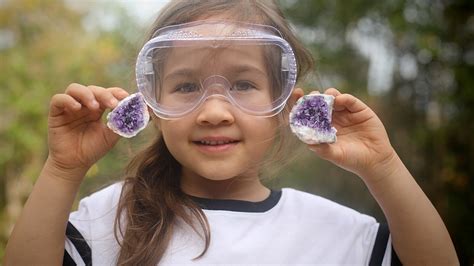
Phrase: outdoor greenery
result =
(412, 61)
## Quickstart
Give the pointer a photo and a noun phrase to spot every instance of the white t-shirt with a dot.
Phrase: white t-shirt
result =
(290, 227)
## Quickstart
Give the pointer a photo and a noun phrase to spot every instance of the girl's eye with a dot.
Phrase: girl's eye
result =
(187, 88)
(243, 86)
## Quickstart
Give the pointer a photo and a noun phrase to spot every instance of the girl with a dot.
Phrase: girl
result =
(220, 104)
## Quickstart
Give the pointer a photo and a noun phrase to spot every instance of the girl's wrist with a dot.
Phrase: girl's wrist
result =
(71, 175)
(385, 169)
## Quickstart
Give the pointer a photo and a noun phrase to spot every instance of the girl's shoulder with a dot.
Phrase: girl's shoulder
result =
(320, 207)
(93, 223)
(100, 203)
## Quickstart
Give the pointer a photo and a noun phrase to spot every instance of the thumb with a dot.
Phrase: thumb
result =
(325, 151)
(111, 138)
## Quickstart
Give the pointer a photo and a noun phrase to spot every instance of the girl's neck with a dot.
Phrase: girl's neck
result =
(237, 188)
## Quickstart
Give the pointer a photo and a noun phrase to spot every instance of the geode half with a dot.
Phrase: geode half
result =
(311, 118)
(129, 117)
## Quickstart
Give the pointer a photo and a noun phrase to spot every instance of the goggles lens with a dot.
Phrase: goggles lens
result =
(248, 65)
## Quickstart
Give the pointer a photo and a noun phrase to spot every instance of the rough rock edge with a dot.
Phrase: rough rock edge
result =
(146, 116)
(310, 135)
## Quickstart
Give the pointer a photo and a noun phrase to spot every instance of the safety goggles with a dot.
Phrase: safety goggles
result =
(251, 66)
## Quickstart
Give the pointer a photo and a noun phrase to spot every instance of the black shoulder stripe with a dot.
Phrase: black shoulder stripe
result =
(67, 260)
(395, 260)
(80, 243)
(380, 245)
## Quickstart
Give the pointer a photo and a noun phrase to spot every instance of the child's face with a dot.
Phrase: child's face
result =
(218, 141)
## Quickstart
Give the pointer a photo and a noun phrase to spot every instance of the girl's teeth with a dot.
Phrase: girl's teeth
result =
(212, 142)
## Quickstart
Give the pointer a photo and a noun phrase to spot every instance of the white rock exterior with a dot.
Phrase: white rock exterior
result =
(311, 135)
(127, 120)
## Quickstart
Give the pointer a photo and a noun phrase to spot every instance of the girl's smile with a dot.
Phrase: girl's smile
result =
(216, 144)
(217, 141)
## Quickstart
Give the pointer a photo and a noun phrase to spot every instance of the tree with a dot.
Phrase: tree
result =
(422, 55)
(44, 46)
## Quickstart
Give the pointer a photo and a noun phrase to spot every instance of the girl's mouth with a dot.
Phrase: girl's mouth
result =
(212, 145)
(215, 142)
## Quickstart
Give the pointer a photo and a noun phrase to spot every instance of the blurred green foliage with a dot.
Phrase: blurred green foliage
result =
(427, 49)
(45, 46)
(424, 50)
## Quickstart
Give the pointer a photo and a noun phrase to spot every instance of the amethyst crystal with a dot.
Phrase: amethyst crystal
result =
(310, 119)
(129, 117)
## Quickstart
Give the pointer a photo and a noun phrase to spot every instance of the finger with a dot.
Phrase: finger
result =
(349, 102)
(110, 136)
(325, 151)
(103, 96)
(83, 95)
(60, 102)
(118, 93)
(333, 92)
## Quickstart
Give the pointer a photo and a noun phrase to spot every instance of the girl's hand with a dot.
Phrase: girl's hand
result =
(77, 135)
(362, 145)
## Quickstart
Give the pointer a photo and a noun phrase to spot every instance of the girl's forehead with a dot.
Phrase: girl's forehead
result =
(230, 16)
(234, 14)
(209, 59)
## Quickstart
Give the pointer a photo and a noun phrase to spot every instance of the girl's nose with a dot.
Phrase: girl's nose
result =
(215, 111)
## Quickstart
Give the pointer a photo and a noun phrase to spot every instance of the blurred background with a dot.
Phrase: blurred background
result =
(412, 61)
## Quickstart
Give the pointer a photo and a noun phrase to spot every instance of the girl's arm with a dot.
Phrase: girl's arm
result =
(39, 233)
(77, 138)
(419, 235)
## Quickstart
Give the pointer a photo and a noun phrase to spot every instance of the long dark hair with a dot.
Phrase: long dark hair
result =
(151, 199)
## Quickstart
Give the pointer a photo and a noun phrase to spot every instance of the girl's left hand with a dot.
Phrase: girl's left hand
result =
(362, 145)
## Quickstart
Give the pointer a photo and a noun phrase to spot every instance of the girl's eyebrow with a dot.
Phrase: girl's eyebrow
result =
(247, 68)
(182, 72)
(237, 69)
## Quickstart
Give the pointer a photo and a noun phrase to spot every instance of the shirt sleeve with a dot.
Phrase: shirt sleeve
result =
(77, 249)
(90, 225)
(383, 252)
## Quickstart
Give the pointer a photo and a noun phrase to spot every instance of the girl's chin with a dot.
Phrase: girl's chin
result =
(218, 177)
(220, 171)
(221, 175)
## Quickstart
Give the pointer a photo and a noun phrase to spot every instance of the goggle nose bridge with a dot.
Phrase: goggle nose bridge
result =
(216, 86)
(216, 83)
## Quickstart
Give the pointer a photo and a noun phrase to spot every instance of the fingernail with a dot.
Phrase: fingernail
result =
(113, 102)
(94, 104)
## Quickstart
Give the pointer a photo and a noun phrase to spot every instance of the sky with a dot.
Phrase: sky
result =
(143, 10)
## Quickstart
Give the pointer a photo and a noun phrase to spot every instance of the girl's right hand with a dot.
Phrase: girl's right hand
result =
(77, 135)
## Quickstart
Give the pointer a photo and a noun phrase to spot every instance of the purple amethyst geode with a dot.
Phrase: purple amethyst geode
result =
(129, 117)
(310, 119)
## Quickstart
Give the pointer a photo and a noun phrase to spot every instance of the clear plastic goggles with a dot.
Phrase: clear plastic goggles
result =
(248, 65)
